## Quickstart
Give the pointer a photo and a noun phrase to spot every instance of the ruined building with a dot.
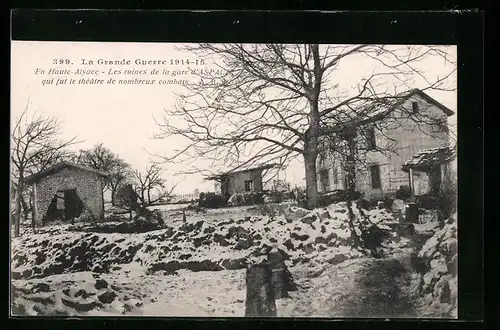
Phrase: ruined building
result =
(67, 191)
(240, 181)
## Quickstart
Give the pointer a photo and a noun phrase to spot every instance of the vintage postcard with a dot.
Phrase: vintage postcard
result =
(233, 180)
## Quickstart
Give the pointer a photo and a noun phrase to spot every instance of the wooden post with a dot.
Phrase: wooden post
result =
(260, 301)
(412, 187)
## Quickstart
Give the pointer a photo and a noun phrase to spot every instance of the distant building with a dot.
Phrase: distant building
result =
(240, 181)
(66, 191)
(381, 173)
(183, 197)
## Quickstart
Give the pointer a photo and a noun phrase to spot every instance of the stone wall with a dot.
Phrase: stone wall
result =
(88, 187)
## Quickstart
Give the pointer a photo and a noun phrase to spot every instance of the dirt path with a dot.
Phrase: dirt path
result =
(363, 288)
(387, 287)
(382, 290)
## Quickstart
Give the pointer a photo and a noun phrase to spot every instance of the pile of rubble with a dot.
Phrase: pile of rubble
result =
(439, 281)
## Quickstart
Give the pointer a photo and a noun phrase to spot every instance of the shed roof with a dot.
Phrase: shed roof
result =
(230, 173)
(430, 157)
(59, 166)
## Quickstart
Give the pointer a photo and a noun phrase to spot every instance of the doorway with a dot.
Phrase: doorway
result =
(65, 205)
(73, 205)
(435, 180)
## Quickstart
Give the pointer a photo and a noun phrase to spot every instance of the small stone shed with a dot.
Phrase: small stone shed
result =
(66, 191)
(429, 169)
(240, 181)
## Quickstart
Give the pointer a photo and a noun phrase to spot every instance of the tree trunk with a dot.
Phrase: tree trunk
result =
(25, 208)
(311, 137)
(351, 167)
(113, 196)
(311, 183)
(17, 215)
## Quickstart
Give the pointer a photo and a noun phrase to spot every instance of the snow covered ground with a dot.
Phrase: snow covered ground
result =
(169, 207)
(184, 294)
(197, 267)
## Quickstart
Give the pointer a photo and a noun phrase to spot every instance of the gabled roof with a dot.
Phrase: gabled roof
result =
(431, 100)
(379, 109)
(230, 173)
(59, 166)
(401, 98)
(430, 157)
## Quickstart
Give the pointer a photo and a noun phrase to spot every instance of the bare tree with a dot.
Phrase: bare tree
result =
(34, 147)
(103, 159)
(274, 102)
(120, 173)
(25, 198)
(126, 197)
(150, 187)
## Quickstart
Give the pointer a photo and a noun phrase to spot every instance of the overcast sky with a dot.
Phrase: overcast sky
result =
(121, 117)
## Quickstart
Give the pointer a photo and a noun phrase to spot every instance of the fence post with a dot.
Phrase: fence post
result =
(260, 301)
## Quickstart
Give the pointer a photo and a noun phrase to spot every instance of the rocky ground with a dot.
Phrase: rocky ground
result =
(197, 267)
(439, 266)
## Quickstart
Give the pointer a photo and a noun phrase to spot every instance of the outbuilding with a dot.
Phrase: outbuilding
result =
(241, 180)
(429, 169)
(66, 191)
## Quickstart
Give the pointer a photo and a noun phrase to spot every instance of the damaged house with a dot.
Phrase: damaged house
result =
(385, 136)
(67, 191)
(240, 181)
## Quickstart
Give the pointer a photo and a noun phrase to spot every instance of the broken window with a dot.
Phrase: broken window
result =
(370, 138)
(414, 107)
(335, 175)
(248, 185)
(325, 180)
(375, 175)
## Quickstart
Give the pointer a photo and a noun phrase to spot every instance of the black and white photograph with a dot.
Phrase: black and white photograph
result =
(233, 180)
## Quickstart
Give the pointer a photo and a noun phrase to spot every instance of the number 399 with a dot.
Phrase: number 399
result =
(61, 61)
